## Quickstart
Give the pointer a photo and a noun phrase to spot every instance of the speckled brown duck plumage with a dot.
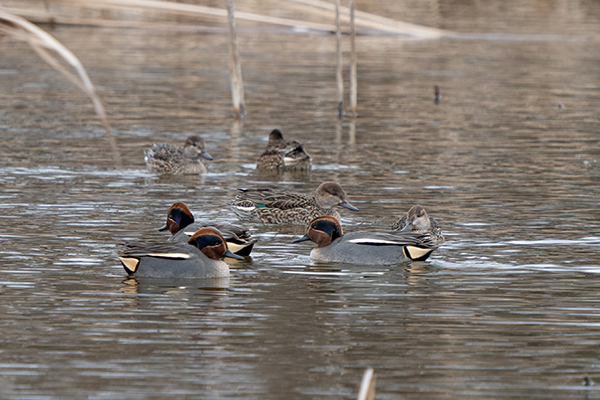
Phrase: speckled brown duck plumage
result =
(164, 158)
(272, 207)
(280, 154)
(417, 220)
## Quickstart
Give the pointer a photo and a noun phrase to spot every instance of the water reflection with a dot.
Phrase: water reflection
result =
(505, 309)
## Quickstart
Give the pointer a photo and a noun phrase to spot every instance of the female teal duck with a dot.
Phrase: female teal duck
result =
(200, 257)
(364, 247)
(281, 154)
(272, 207)
(180, 222)
(163, 158)
(417, 220)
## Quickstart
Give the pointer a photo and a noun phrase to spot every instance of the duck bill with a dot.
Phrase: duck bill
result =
(231, 255)
(349, 206)
(164, 228)
(302, 239)
(205, 155)
(406, 228)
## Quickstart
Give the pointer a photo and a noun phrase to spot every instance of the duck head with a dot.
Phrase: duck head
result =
(178, 217)
(212, 244)
(330, 194)
(275, 138)
(417, 220)
(194, 148)
(322, 231)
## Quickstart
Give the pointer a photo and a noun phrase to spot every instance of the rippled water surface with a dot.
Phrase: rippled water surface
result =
(507, 162)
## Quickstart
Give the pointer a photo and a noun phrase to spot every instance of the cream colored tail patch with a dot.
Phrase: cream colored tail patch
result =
(416, 253)
(130, 264)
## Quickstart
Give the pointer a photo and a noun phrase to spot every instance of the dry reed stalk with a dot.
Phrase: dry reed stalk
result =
(39, 41)
(195, 10)
(353, 77)
(41, 17)
(340, 62)
(367, 386)
(235, 68)
(373, 21)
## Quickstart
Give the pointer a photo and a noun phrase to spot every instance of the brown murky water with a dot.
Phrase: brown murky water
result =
(507, 162)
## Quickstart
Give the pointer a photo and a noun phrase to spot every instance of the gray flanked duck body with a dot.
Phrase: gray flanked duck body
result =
(275, 207)
(364, 247)
(200, 257)
(164, 158)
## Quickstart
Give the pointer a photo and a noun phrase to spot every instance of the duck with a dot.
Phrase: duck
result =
(280, 154)
(182, 225)
(200, 257)
(417, 220)
(364, 247)
(164, 158)
(275, 207)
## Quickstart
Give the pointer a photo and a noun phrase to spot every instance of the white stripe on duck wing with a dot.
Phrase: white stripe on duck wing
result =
(200, 257)
(364, 247)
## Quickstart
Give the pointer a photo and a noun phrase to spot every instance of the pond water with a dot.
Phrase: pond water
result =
(507, 162)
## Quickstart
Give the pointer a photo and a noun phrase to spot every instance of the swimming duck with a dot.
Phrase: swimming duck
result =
(164, 158)
(200, 257)
(272, 207)
(282, 154)
(364, 247)
(180, 222)
(417, 220)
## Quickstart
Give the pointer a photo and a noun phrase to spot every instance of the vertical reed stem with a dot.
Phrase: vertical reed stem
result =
(367, 386)
(339, 77)
(353, 78)
(237, 84)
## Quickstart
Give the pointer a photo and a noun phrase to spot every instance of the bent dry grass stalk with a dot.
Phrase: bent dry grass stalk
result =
(376, 22)
(40, 41)
(196, 10)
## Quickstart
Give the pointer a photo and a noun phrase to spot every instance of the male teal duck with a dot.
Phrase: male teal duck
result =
(280, 154)
(200, 257)
(272, 207)
(164, 158)
(181, 224)
(364, 247)
(417, 220)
